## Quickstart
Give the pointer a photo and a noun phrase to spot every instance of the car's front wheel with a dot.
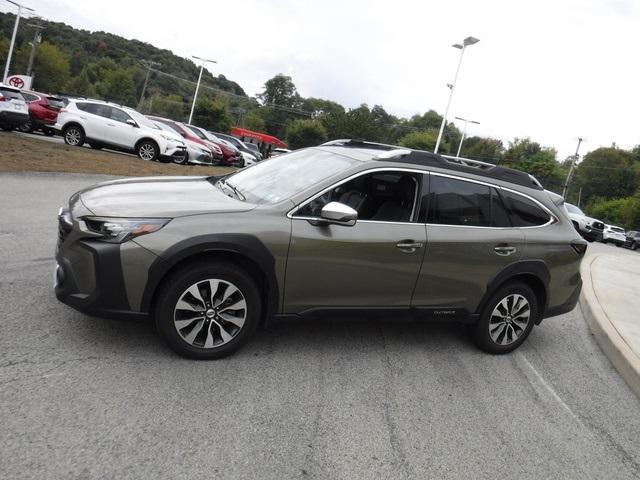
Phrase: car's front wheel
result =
(73, 135)
(208, 311)
(147, 150)
(507, 319)
(26, 127)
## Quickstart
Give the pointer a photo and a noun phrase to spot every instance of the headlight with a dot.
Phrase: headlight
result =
(170, 139)
(119, 230)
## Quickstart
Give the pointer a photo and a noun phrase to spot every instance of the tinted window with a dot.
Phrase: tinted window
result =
(524, 212)
(499, 213)
(30, 97)
(456, 202)
(118, 115)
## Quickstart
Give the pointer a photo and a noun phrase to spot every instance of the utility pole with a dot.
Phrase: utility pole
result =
(37, 38)
(13, 37)
(571, 167)
(148, 64)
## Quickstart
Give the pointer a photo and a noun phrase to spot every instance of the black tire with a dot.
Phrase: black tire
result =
(482, 335)
(73, 135)
(95, 146)
(175, 288)
(617, 244)
(6, 128)
(181, 160)
(634, 246)
(147, 150)
(26, 127)
(49, 132)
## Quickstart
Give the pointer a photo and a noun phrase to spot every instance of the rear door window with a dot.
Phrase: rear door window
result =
(523, 211)
(457, 202)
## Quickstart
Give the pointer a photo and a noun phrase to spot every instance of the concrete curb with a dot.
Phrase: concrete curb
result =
(611, 342)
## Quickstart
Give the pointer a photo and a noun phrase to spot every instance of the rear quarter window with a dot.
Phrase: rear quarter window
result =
(523, 211)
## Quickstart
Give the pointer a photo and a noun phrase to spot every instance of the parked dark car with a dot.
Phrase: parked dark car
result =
(347, 226)
(633, 240)
(43, 112)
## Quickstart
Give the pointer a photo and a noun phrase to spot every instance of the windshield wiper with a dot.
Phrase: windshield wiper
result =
(233, 188)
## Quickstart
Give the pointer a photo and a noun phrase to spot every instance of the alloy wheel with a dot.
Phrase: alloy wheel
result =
(210, 313)
(72, 137)
(147, 151)
(509, 319)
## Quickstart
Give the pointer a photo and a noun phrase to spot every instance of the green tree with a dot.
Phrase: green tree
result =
(422, 140)
(118, 86)
(319, 107)
(607, 173)
(170, 106)
(50, 68)
(624, 212)
(280, 90)
(212, 115)
(80, 85)
(484, 149)
(305, 133)
(254, 120)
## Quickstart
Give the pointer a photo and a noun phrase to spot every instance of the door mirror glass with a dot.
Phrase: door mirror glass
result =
(339, 214)
(132, 122)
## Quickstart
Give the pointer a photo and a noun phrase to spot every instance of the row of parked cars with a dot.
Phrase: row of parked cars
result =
(592, 229)
(105, 125)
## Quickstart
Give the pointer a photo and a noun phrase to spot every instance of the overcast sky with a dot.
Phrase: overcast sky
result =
(549, 69)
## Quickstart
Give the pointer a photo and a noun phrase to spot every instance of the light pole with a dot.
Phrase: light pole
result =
(148, 64)
(195, 97)
(464, 132)
(465, 43)
(13, 38)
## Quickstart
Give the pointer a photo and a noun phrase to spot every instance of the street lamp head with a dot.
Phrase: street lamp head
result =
(458, 46)
(470, 41)
(203, 59)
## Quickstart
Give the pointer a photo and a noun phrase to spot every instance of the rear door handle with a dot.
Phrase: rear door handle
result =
(504, 250)
(409, 246)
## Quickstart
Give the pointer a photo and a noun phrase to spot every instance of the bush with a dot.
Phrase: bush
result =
(624, 212)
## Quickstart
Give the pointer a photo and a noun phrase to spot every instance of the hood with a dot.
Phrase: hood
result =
(159, 197)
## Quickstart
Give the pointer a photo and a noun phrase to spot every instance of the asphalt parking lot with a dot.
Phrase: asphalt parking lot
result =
(84, 398)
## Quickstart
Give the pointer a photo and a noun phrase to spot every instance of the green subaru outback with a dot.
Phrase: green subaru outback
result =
(347, 226)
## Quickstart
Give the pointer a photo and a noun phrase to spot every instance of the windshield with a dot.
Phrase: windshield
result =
(573, 209)
(276, 180)
(140, 119)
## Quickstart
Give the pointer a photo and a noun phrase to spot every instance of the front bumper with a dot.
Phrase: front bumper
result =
(89, 276)
(173, 153)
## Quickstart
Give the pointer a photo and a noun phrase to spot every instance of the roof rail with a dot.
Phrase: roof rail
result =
(421, 157)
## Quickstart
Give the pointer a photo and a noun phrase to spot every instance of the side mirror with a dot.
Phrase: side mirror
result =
(339, 214)
(132, 122)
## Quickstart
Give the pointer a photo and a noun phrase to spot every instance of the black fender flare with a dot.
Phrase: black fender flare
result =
(535, 268)
(245, 245)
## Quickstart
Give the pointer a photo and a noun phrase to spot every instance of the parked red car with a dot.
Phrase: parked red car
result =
(43, 112)
(231, 155)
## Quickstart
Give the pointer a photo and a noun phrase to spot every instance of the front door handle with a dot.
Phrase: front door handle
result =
(408, 246)
(504, 250)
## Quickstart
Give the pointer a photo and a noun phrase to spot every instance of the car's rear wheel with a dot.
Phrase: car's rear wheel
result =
(26, 127)
(6, 128)
(73, 135)
(147, 150)
(208, 311)
(507, 319)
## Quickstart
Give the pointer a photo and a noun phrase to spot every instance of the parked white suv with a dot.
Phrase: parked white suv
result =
(613, 234)
(102, 124)
(589, 228)
(14, 111)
